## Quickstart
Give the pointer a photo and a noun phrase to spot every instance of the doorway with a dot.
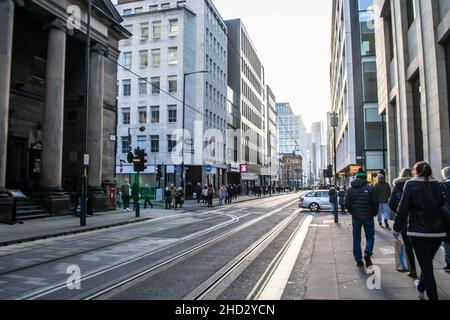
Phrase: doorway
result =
(16, 164)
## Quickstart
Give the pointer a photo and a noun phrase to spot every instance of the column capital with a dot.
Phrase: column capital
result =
(56, 23)
(100, 49)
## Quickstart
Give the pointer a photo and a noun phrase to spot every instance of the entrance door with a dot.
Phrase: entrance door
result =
(17, 159)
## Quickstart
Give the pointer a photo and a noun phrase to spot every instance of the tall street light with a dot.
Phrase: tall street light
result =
(183, 173)
(84, 176)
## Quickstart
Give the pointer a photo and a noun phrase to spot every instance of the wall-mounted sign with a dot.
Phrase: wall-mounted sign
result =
(243, 168)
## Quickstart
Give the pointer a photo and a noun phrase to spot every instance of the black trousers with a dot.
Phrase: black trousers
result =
(126, 202)
(147, 201)
(426, 249)
(409, 249)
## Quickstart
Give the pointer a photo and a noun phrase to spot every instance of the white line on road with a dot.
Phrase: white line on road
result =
(277, 283)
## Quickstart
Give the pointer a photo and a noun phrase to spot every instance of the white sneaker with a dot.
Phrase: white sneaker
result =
(420, 294)
(128, 209)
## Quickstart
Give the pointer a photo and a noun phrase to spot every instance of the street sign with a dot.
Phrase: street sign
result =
(86, 160)
(208, 168)
(243, 168)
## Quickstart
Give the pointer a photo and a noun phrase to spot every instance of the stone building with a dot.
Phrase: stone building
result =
(291, 167)
(42, 93)
(413, 65)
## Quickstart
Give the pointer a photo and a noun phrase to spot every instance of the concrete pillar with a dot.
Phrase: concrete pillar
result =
(6, 37)
(95, 129)
(95, 117)
(55, 200)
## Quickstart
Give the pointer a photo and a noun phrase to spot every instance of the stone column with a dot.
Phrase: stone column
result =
(52, 128)
(95, 127)
(6, 37)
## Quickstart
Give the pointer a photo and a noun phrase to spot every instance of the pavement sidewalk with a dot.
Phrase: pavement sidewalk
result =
(51, 227)
(332, 273)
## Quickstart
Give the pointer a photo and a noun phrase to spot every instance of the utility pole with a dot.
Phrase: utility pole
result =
(84, 173)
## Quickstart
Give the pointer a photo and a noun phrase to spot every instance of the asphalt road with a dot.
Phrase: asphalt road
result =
(229, 252)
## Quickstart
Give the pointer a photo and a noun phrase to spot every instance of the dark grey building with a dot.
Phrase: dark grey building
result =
(42, 93)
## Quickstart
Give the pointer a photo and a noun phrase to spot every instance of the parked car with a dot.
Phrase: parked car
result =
(315, 200)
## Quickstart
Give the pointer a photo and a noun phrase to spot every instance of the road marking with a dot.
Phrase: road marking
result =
(277, 283)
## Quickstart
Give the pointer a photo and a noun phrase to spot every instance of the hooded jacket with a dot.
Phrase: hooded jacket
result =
(361, 200)
(397, 192)
(383, 191)
(420, 209)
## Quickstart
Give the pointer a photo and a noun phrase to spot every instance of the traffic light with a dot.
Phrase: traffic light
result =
(330, 171)
(143, 160)
(158, 172)
(130, 157)
(137, 163)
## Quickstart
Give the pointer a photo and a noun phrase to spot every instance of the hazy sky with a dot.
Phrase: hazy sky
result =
(293, 39)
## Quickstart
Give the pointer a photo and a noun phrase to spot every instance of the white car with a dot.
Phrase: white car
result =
(315, 200)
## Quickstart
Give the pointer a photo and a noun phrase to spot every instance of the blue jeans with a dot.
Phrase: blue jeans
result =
(383, 212)
(369, 230)
(447, 252)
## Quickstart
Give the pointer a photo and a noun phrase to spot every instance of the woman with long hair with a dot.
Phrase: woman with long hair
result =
(419, 208)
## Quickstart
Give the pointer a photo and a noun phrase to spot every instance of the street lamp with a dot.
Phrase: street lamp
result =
(334, 124)
(183, 173)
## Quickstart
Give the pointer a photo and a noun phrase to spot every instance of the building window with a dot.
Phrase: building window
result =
(154, 144)
(370, 88)
(142, 113)
(172, 113)
(127, 12)
(143, 86)
(153, 7)
(411, 11)
(172, 84)
(156, 30)
(127, 63)
(144, 31)
(165, 5)
(171, 143)
(417, 112)
(125, 145)
(126, 88)
(156, 84)
(143, 58)
(173, 27)
(126, 116)
(138, 10)
(173, 55)
(156, 57)
(142, 142)
(154, 114)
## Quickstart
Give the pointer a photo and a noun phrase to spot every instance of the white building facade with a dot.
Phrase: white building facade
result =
(173, 42)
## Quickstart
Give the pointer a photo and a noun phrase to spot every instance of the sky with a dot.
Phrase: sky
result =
(292, 38)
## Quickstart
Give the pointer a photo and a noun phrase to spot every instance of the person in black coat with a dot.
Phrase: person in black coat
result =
(362, 203)
(394, 201)
(419, 209)
(341, 194)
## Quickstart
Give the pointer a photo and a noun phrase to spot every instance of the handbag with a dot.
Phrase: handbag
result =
(401, 258)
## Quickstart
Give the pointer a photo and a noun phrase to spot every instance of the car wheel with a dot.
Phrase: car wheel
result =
(314, 207)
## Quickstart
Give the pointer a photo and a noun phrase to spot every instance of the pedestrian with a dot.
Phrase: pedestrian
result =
(222, 195)
(173, 193)
(333, 199)
(397, 192)
(146, 192)
(126, 192)
(341, 195)
(198, 191)
(135, 194)
(384, 192)
(168, 198)
(445, 186)
(362, 203)
(179, 198)
(205, 194)
(419, 209)
(210, 195)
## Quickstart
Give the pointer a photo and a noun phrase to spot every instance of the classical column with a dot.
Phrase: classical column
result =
(52, 128)
(6, 37)
(95, 128)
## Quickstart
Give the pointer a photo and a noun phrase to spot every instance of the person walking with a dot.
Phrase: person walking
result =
(179, 198)
(205, 194)
(146, 192)
(135, 194)
(198, 192)
(419, 209)
(173, 193)
(397, 192)
(210, 197)
(341, 195)
(126, 193)
(168, 198)
(362, 203)
(445, 186)
(384, 192)
(333, 199)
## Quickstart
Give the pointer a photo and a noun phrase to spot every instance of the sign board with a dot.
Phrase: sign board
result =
(159, 194)
(243, 168)
(208, 168)
(355, 169)
(86, 160)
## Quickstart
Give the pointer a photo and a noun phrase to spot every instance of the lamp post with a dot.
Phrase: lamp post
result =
(183, 173)
(334, 124)
(84, 173)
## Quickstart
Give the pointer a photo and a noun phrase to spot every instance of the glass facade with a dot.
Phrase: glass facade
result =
(375, 143)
